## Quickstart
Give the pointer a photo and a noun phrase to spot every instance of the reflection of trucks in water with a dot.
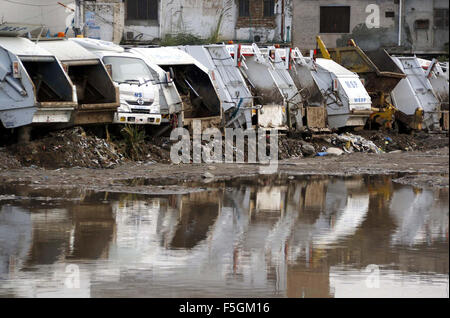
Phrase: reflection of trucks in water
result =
(98, 97)
(35, 88)
(419, 217)
(147, 94)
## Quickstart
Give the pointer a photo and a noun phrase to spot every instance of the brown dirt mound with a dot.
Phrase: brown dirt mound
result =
(67, 148)
(8, 161)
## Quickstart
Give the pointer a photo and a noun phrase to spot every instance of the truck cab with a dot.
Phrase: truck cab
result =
(139, 97)
(196, 83)
(147, 93)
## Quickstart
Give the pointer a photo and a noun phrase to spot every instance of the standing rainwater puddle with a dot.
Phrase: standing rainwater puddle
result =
(308, 237)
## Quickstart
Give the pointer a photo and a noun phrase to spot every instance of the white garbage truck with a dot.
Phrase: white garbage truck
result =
(270, 81)
(323, 82)
(236, 99)
(148, 95)
(97, 95)
(437, 73)
(33, 85)
(196, 84)
(416, 92)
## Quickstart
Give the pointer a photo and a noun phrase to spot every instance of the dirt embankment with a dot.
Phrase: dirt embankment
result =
(424, 168)
(79, 148)
(77, 158)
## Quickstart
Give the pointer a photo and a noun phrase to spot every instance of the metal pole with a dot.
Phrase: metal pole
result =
(282, 20)
(77, 22)
(400, 9)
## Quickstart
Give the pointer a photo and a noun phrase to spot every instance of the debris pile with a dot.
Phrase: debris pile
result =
(67, 148)
(8, 161)
(353, 143)
(158, 149)
(290, 148)
(390, 141)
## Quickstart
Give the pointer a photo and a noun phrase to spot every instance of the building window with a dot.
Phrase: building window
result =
(269, 8)
(142, 9)
(335, 19)
(441, 18)
(244, 8)
(390, 14)
(422, 24)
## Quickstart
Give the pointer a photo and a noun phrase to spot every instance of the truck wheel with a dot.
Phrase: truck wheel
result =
(24, 134)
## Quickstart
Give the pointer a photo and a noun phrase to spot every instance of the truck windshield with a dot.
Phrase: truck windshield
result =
(128, 69)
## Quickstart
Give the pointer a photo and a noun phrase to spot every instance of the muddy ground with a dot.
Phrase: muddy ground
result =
(78, 159)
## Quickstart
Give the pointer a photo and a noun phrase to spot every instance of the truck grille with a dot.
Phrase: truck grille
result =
(140, 111)
(135, 103)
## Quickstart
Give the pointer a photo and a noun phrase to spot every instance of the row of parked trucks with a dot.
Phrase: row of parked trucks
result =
(81, 81)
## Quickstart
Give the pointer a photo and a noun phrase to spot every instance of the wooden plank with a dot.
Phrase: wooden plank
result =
(445, 120)
(316, 117)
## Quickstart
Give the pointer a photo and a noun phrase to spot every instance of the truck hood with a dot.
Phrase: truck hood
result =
(136, 96)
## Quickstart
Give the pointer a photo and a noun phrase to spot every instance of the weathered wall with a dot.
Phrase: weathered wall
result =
(424, 40)
(104, 20)
(48, 13)
(306, 25)
(264, 29)
(200, 18)
(196, 17)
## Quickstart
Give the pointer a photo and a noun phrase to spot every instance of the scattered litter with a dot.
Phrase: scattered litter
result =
(334, 151)
(208, 175)
(354, 143)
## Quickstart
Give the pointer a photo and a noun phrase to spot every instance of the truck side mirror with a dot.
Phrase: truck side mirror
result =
(109, 69)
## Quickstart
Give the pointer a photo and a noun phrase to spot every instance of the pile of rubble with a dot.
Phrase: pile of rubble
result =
(353, 143)
(7, 160)
(325, 145)
(67, 148)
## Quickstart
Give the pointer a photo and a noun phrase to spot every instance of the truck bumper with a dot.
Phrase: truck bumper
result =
(52, 115)
(137, 119)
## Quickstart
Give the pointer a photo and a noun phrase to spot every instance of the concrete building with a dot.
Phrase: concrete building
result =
(424, 25)
(373, 24)
(147, 20)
